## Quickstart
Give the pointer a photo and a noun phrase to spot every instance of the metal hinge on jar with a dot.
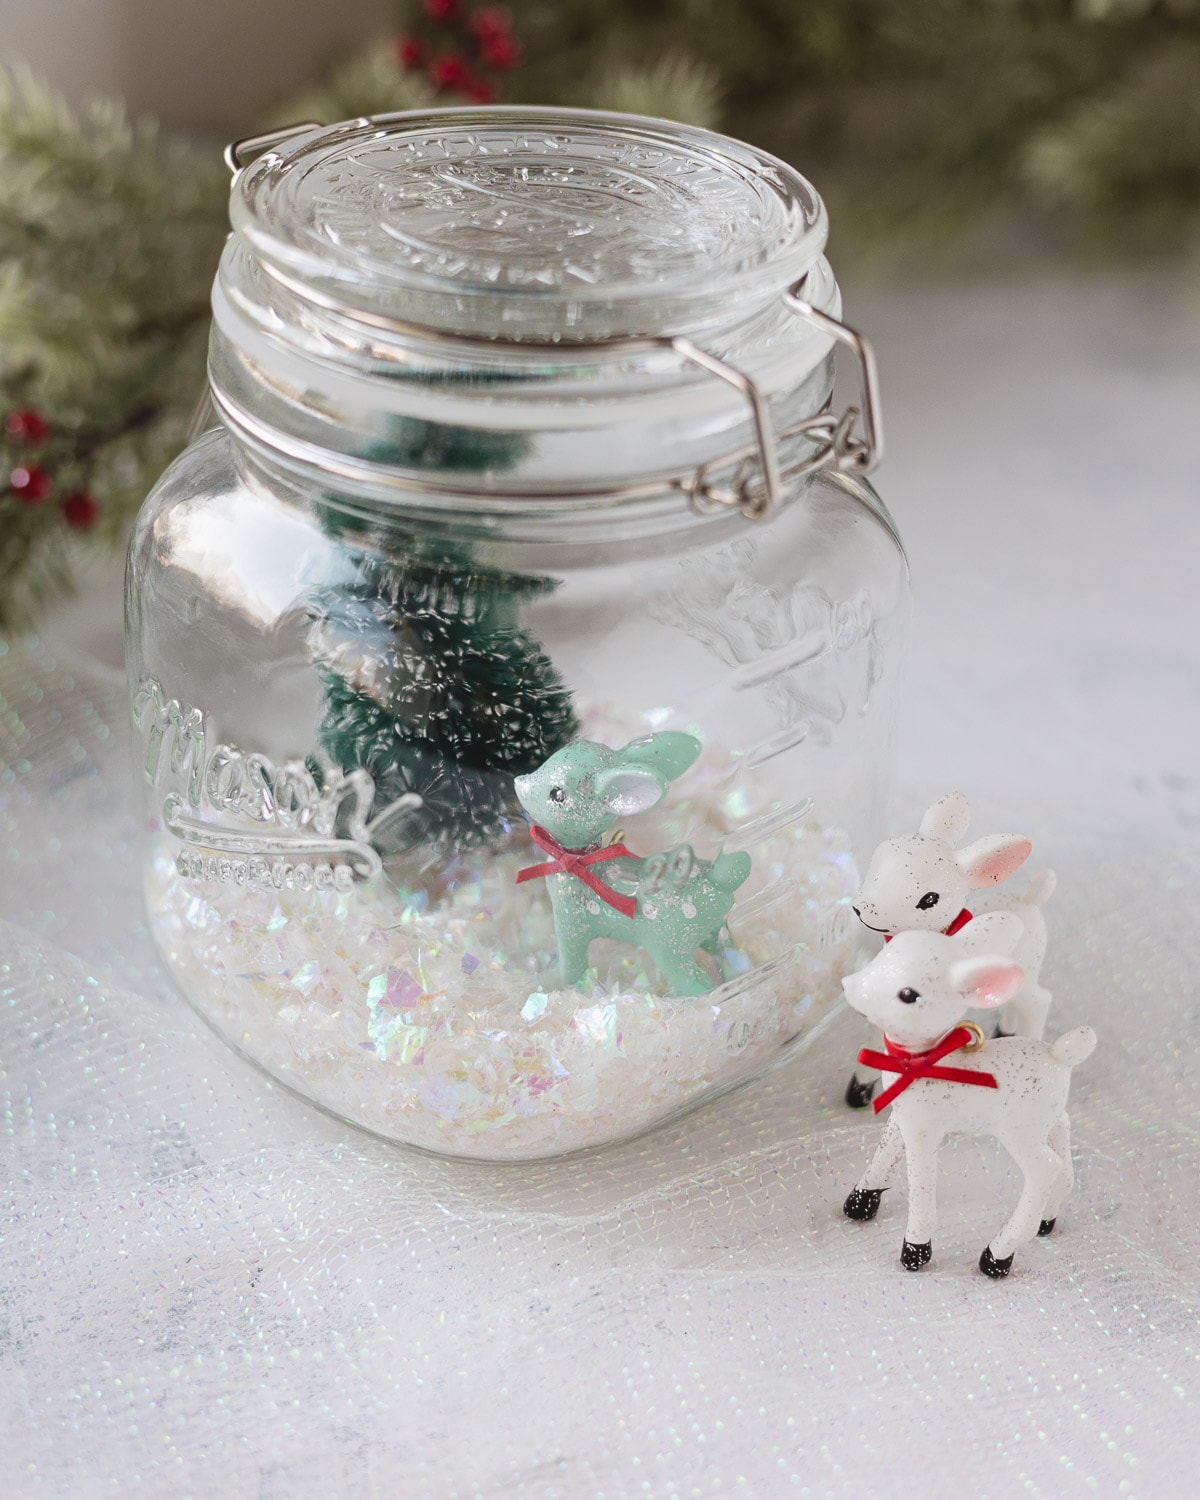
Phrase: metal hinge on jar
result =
(758, 481)
(851, 443)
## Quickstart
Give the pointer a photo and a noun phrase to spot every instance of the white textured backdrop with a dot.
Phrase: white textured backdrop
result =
(207, 1289)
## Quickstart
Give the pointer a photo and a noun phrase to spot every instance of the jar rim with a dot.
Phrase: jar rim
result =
(529, 222)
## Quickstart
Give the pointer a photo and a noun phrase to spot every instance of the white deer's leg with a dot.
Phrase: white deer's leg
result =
(921, 1155)
(888, 1154)
(863, 1202)
(1041, 1165)
(1059, 1142)
(1026, 1015)
(1037, 1009)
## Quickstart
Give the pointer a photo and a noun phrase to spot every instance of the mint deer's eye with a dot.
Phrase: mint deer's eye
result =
(557, 794)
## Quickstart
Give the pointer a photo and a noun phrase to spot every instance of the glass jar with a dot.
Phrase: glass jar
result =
(514, 666)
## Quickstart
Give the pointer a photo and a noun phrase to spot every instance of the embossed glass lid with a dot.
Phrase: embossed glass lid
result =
(528, 223)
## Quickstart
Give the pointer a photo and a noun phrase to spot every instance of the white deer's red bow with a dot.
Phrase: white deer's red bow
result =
(578, 862)
(914, 1065)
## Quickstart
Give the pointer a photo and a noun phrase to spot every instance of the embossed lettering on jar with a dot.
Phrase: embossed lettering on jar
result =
(513, 664)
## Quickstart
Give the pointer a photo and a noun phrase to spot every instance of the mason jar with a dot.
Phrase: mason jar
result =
(513, 665)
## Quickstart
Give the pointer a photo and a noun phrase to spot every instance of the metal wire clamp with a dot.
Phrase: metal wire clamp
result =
(757, 483)
(239, 154)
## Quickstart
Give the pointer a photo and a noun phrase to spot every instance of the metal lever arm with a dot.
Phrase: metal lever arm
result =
(239, 154)
(864, 454)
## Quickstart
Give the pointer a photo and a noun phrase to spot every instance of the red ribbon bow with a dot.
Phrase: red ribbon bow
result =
(578, 862)
(914, 1065)
(957, 925)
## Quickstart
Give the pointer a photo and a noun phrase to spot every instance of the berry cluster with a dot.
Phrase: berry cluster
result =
(29, 483)
(461, 51)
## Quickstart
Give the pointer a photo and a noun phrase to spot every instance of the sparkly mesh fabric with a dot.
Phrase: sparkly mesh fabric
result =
(209, 1288)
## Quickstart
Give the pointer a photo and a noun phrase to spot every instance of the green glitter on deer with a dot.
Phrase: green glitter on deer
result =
(668, 904)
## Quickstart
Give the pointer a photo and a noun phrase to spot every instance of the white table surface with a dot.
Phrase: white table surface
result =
(208, 1289)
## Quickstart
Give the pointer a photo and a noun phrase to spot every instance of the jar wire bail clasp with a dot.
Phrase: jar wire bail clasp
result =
(861, 455)
(757, 495)
(240, 153)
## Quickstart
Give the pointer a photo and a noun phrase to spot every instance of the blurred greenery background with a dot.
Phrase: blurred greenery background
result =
(930, 126)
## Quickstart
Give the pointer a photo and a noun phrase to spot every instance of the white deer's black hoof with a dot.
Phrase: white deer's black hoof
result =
(860, 1092)
(990, 1266)
(1045, 1227)
(913, 1257)
(862, 1204)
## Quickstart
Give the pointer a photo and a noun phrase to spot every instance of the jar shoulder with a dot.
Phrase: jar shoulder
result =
(209, 516)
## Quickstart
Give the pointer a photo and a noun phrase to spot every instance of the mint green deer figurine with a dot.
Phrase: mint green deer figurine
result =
(669, 904)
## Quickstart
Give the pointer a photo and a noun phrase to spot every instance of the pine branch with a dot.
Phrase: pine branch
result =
(674, 88)
(108, 243)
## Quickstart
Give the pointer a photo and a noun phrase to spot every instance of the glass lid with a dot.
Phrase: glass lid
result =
(530, 223)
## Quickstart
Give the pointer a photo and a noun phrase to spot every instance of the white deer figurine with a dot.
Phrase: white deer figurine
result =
(943, 1078)
(922, 883)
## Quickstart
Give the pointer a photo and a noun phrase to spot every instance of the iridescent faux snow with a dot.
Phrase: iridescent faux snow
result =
(427, 1006)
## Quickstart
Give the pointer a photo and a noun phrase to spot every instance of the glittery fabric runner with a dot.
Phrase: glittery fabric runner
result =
(209, 1288)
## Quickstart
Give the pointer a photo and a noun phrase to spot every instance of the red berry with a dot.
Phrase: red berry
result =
(490, 21)
(409, 52)
(441, 10)
(27, 426)
(480, 90)
(500, 52)
(447, 71)
(30, 484)
(81, 510)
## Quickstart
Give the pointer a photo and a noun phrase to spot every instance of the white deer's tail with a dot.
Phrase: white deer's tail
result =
(1040, 888)
(1074, 1046)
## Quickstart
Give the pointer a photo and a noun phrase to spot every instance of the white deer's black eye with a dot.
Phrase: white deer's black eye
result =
(929, 899)
(557, 794)
(907, 996)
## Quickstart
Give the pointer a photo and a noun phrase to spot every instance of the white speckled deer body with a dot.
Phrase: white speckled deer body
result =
(917, 991)
(923, 882)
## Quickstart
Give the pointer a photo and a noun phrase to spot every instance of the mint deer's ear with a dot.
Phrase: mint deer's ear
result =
(670, 752)
(631, 789)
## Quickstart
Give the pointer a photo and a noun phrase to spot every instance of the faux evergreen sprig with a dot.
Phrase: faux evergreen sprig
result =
(430, 682)
(107, 245)
(919, 119)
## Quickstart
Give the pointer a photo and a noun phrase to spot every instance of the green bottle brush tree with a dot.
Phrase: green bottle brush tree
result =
(431, 684)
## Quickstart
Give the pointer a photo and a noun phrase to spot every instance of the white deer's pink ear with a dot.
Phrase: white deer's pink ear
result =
(947, 819)
(630, 789)
(990, 860)
(988, 981)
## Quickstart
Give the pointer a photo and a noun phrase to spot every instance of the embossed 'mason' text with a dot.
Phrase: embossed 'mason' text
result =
(275, 824)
